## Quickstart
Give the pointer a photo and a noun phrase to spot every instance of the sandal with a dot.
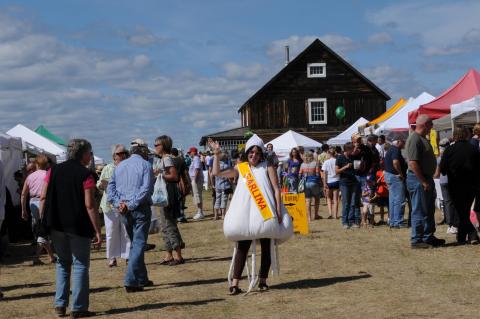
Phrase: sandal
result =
(166, 262)
(176, 262)
(234, 290)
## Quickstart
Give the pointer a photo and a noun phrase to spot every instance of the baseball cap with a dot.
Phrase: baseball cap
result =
(138, 142)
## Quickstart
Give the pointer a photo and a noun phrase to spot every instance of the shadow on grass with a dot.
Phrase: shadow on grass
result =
(207, 259)
(195, 282)
(50, 294)
(156, 306)
(317, 283)
(25, 286)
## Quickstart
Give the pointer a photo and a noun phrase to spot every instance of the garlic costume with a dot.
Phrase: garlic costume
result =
(252, 216)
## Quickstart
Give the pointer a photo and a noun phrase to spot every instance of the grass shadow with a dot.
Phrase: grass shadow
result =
(206, 259)
(26, 286)
(156, 306)
(50, 294)
(195, 282)
(317, 283)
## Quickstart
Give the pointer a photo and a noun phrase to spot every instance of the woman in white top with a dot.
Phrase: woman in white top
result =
(331, 183)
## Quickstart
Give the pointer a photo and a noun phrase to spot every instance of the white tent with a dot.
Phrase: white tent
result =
(11, 155)
(399, 120)
(31, 139)
(443, 123)
(346, 135)
(283, 144)
(466, 112)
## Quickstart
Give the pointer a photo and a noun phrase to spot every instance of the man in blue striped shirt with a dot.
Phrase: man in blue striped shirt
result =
(130, 190)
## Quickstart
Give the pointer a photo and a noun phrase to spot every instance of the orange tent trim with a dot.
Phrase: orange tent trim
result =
(397, 106)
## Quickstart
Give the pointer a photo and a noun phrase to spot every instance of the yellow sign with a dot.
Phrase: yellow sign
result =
(295, 204)
(255, 191)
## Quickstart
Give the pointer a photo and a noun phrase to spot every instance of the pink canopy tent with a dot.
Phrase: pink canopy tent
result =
(466, 88)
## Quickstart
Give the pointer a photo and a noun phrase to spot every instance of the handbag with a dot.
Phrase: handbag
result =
(160, 194)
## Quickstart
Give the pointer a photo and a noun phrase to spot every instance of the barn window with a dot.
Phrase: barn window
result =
(316, 70)
(317, 111)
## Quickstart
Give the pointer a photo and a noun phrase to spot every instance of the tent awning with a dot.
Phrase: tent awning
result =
(290, 139)
(346, 135)
(42, 130)
(465, 88)
(391, 111)
(467, 112)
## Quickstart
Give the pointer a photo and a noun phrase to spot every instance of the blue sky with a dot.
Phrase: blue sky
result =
(111, 71)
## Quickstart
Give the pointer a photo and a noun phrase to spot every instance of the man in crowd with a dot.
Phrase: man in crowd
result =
(460, 162)
(421, 167)
(129, 190)
(196, 176)
(395, 171)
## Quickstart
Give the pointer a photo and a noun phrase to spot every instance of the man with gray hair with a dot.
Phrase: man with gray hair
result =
(420, 185)
(129, 190)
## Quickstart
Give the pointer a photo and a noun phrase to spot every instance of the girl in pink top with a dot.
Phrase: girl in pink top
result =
(33, 186)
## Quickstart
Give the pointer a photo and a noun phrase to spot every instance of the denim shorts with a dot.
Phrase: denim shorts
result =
(334, 185)
(312, 190)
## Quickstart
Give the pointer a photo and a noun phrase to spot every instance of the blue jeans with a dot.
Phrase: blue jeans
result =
(349, 203)
(396, 199)
(137, 223)
(72, 250)
(362, 181)
(423, 209)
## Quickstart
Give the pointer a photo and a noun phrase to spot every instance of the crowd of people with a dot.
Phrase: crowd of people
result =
(363, 175)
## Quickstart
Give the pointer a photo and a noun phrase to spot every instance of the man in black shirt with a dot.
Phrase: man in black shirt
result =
(348, 186)
(363, 164)
(460, 163)
(395, 170)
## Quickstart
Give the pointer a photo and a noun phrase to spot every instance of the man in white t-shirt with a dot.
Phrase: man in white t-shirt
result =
(196, 175)
(380, 146)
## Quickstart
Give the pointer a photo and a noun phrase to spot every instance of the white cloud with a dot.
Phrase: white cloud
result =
(338, 43)
(443, 28)
(380, 38)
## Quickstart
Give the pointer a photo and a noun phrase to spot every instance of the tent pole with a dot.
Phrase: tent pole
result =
(478, 116)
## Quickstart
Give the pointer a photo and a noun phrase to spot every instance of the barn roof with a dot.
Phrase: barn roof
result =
(290, 65)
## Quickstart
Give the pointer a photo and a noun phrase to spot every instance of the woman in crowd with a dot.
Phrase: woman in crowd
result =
(69, 207)
(33, 187)
(169, 214)
(349, 186)
(311, 172)
(331, 183)
(293, 168)
(118, 243)
(266, 177)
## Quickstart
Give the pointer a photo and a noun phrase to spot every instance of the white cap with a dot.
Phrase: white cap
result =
(138, 142)
(254, 141)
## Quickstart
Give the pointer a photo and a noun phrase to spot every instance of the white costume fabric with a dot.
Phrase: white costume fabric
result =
(3, 194)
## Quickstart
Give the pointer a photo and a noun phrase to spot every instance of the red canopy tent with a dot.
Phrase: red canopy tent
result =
(467, 87)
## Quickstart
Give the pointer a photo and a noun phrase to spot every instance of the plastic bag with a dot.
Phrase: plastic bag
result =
(160, 194)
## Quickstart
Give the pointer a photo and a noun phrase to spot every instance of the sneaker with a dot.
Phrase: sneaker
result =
(453, 230)
(421, 246)
(355, 226)
(182, 219)
(198, 216)
(346, 227)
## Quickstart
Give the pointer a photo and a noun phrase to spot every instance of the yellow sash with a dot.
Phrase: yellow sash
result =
(255, 191)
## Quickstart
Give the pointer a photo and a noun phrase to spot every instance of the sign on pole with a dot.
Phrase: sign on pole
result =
(295, 204)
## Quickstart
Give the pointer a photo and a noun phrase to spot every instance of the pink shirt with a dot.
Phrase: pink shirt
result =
(35, 183)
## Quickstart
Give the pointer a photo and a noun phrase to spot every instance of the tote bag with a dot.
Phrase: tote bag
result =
(160, 194)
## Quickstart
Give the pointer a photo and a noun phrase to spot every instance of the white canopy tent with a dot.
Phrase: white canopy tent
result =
(466, 112)
(11, 155)
(283, 144)
(31, 140)
(443, 123)
(399, 120)
(346, 135)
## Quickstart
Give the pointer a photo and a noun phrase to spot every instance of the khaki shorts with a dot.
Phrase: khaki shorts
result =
(197, 192)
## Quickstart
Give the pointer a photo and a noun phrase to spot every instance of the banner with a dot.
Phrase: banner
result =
(295, 204)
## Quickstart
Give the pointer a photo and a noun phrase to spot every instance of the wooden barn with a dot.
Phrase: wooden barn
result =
(303, 97)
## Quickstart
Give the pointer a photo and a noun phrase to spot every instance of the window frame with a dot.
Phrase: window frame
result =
(320, 75)
(310, 101)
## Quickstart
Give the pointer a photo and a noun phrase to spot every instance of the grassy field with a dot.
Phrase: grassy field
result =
(331, 273)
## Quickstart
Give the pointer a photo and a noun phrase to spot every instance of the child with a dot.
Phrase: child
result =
(381, 194)
(368, 200)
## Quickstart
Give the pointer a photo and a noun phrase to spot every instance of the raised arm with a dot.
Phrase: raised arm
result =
(227, 173)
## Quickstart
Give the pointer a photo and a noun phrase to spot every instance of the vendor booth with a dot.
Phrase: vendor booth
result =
(346, 135)
(283, 144)
(11, 155)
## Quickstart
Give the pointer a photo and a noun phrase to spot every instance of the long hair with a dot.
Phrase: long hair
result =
(298, 154)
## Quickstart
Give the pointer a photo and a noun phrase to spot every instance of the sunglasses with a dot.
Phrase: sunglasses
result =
(156, 145)
(120, 153)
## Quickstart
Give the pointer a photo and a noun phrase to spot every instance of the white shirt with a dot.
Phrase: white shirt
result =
(381, 150)
(329, 168)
